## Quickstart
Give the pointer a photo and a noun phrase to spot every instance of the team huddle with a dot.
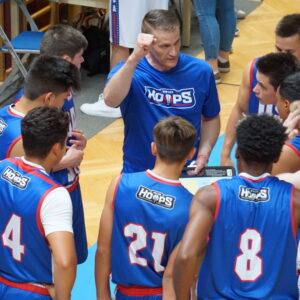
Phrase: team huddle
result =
(234, 239)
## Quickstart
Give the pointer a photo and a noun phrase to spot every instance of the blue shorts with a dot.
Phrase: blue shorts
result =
(12, 293)
(79, 225)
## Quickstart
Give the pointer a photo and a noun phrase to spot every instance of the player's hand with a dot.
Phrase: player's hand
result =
(73, 156)
(51, 290)
(201, 162)
(79, 139)
(144, 43)
(292, 123)
(226, 162)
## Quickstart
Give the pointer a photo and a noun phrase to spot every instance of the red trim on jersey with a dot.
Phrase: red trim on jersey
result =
(31, 287)
(17, 139)
(293, 221)
(38, 211)
(251, 76)
(218, 198)
(115, 191)
(12, 113)
(73, 186)
(254, 180)
(293, 148)
(139, 291)
(161, 180)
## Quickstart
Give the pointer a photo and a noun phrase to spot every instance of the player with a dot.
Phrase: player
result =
(247, 224)
(288, 101)
(287, 40)
(37, 245)
(48, 83)
(69, 43)
(158, 81)
(143, 220)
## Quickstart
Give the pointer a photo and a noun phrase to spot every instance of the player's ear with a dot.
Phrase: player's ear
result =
(237, 154)
(153, 149)
(49, 97)
(191, 153)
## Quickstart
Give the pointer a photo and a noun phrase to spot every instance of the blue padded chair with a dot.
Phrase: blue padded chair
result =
(26, 43)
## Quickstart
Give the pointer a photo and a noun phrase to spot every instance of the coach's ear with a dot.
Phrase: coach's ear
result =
(153, 149)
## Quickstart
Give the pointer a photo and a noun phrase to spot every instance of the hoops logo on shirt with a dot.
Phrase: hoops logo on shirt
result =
(15, 178)
(3, 125)
(170, 98)
(254, 195)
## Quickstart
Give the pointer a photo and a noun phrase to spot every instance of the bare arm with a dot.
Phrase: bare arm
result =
(297, 207)
(240, 108)
(118, 86)
(293, 178)
(65, 262)
(167, 283)
(209, 134)
(288, 162)
(194, 241)
(103, 256)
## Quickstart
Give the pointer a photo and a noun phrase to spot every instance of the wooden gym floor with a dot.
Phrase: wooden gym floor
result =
(103, 155)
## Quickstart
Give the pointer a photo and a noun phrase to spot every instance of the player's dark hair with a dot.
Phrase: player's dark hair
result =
(50, 74)
(260, 138)
(174, 138)
(42, 128)
(62, 40)
(290, 87)
(288, 26)
(277, 66)
(162, 19)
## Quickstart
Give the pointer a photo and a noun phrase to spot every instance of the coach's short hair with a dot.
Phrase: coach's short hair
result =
(290, 87)
(42, 128)
(62, 40)
(162, 19)
(277, 66)
(288, 26)
(50, 74)
(260, 138)
(174, 138)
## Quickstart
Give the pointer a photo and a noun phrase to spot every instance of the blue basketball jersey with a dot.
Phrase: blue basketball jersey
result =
(25, 254)
(150, 215)
(294, 144)
(254, 106)
(10, 130)
(251, 253)
(188, 90)
(68, 177)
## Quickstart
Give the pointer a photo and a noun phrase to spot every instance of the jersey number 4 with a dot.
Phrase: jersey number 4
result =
(11, 237)
(140, 242)
(248, 265)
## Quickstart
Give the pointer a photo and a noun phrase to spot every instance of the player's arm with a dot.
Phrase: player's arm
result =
(103, 252)
(293, 178)
(194, 240)
(297, 207)
(209, 134)
(119, 84)
(237, 112)
(71, 159)
(288, 162)
(17, 150)
(56, 218)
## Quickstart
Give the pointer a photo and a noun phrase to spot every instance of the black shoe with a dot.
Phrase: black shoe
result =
(224, 67)
(217, 77)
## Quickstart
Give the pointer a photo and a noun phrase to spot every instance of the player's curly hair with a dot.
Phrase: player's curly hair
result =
(290, 87)
(260, 138)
